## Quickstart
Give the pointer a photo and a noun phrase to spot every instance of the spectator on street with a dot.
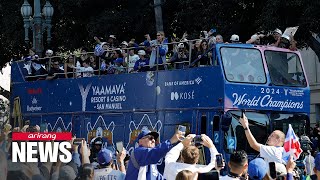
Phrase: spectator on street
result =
(105, 170)
(189, 157)
(238, 165)
(143, 159)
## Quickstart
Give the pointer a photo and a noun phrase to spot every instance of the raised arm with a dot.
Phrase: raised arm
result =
(252, 141)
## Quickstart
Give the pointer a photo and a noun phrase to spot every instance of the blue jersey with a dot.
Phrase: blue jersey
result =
(148, 157)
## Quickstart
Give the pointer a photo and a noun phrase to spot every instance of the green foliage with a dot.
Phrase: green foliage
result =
(76, 22)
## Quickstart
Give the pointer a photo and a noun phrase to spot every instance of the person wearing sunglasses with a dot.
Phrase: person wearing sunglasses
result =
(143, 159)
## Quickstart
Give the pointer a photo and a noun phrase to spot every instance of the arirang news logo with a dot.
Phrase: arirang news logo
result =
(41, 147)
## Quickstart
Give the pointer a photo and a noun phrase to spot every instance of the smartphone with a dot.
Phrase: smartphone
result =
(219, 160)
(214, 174)
(77, 141)
(272, 168)
(182, 129)
(119, 146)
(242, 112)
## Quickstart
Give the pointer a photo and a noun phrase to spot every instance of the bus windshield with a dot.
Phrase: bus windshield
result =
(297, 121)
(285, 68)
(243, 65)
(259, 124)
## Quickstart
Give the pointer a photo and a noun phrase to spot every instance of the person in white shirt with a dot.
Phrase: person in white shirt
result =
(86, 70)
(272, 152)
(189, 157)
(238, 165)
(132, 59)
(309, 163)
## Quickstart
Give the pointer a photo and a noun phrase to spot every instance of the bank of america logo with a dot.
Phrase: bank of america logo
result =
(34, 101)
(198, 80)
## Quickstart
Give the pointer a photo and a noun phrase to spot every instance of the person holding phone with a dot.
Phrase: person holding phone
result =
(189, 156)
(272, 152)
(105, 171)
(144, 159)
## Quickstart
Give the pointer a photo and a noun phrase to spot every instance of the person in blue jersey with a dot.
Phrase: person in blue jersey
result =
(143, 159)
(105, 170)
(142, 65)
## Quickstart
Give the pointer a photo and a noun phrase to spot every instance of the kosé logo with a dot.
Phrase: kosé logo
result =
(182, 95)
(174, 96)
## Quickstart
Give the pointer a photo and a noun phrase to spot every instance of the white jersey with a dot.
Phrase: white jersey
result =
(108, 174)
(132, 61)
(271, 153)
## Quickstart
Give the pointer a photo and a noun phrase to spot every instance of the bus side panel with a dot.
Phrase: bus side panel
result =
(191, 88)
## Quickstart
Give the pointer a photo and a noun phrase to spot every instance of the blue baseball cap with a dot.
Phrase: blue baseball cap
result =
(118, 60)
(104, 156)
(317, 162)
(257, 169)
(146, 132)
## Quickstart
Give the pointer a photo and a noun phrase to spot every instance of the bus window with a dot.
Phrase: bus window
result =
(243, 65)
(204, 124)
(259, 124)
(285, 68)
(297, 121)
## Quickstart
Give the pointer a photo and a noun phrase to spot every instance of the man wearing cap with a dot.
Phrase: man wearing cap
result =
(234, 38)
(272, 152)
(144, 159)
(238, 165)
(96, 146)
(142, 64)
(133, 58)
(105, 163)
(180, 57)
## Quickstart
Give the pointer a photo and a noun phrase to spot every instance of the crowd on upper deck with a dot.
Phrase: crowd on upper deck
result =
(111, 57)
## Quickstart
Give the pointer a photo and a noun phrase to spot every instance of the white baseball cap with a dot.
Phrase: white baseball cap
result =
(141, 52)
(234, 38)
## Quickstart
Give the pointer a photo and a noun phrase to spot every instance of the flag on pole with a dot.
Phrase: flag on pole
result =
(291, 145)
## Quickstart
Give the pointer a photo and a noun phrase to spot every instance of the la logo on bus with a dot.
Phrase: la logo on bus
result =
(23, 150)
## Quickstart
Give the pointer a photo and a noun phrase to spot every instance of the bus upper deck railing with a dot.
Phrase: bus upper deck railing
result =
(188, 53)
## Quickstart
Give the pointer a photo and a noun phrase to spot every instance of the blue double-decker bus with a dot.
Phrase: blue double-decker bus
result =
(268, 82)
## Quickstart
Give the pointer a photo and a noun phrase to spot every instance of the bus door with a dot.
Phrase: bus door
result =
(79, 124)
(207, 122)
